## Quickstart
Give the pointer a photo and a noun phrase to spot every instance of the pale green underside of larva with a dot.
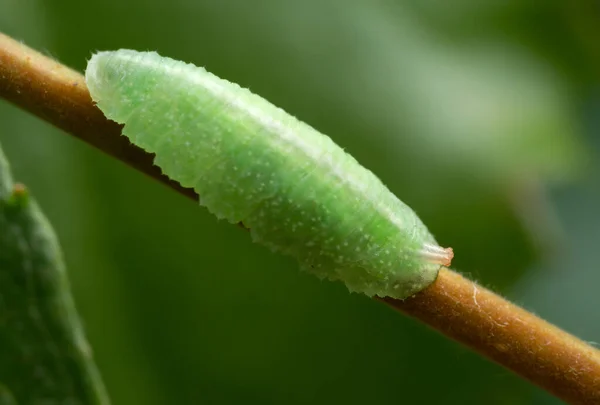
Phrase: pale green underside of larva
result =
(251, 162)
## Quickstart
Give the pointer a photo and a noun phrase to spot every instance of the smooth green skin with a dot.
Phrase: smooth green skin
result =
(251, 162)
(44, 357)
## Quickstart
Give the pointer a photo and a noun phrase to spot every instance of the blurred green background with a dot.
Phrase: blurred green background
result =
(482, 116)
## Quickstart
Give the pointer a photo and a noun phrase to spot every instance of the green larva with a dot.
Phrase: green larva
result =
(251, 162)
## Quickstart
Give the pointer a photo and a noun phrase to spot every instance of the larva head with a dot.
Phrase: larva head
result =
(100, 76)
(113, 77)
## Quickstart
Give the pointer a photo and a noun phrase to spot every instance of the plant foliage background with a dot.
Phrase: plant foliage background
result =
(482, 116)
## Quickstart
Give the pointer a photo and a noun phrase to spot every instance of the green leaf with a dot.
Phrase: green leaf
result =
(44, 356)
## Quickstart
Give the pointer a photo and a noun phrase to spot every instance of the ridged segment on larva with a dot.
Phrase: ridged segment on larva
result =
(250, 161)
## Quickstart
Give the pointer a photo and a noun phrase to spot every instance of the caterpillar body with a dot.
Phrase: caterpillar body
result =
(251, 162)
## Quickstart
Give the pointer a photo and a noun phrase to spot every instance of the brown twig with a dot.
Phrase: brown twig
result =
(509, 335)
(453, 305)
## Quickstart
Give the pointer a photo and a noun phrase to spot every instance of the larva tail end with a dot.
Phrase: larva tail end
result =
(437, 254)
